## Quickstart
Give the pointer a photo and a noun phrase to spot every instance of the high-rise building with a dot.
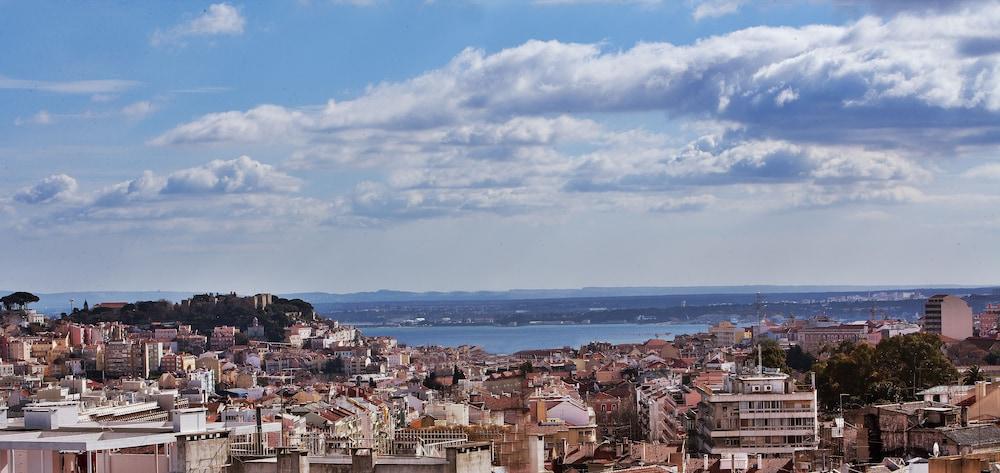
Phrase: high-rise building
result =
(949, 316)
(762, 413)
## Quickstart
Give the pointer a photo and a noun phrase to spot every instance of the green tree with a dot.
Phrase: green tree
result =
(771, 355)
(993, 358)
(431, 383)
(456, 375)
(333, 366)
(973, 375)
(17, 300)
(799, 360)
(848, 370)
(914, 362)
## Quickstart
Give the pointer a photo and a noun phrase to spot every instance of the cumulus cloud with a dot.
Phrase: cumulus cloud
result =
(52, 189)
(217, 19)
(221, 190)
(811, 116)
(905, 74)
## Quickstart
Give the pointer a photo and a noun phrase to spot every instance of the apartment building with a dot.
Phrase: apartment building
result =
(224, 337)
(759, 413)
(949, 316)
(658, 412)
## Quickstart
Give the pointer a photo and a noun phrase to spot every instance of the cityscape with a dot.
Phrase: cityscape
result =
(500, 236)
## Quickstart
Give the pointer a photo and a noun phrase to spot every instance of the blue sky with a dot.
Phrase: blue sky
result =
(438, 145)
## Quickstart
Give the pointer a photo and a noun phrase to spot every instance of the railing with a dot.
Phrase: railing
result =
(771, 410)
(322, 444)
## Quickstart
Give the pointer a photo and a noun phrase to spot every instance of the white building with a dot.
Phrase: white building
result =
(763, 413)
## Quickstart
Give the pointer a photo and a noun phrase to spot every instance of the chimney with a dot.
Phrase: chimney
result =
(293, 461)
(536, 454)
(541, 411)
(362, 461)
(704, 463)
(981, 390)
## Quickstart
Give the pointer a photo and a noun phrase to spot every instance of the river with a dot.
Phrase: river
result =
(496, 339)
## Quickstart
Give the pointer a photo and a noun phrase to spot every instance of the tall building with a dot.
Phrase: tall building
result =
(949, 316)
(762, 413)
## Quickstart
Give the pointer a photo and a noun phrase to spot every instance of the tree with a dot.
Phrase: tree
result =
(798, 359)
(771, 355)
(332, 366)
(914, 361)
(993, 358)
(431, 383)
(896, 369)
(973, 375)
(17, 300)
(456, 375)
(847, 370)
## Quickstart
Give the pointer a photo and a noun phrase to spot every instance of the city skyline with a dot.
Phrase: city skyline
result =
(474, 145)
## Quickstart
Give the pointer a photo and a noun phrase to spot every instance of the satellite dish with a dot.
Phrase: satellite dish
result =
(937, 450)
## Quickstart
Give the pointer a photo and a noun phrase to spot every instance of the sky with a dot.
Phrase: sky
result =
(356, 145)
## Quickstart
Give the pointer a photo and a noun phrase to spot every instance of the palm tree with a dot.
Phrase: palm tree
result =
(972, 375)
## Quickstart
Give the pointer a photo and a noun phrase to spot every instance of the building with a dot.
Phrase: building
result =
(949, 316)
(986, 321)
(118, 358)
(760, 413)
(224, 337)
(657, 411)
(727, 334)
(813, 339)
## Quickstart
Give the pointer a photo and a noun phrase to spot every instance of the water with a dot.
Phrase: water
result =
(527, 337)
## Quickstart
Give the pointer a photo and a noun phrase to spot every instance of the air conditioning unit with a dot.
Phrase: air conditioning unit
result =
(755, 388)
(767, 387)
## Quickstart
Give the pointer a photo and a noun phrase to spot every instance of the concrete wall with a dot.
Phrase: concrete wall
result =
(200, 452)
(132, 463)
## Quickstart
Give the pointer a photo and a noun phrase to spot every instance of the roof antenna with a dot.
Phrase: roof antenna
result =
(759, 307)
(760, 361)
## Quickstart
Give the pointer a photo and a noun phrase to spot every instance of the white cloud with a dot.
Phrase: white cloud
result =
(217, 19)
(104, 86)
(606, 2)
(715, 8)
(902, 76)
(238, 193)
(240, 175)
(684, 204)
(138, 110)
(56, 188)
(811, 116)
(43, 117)
(986, 171)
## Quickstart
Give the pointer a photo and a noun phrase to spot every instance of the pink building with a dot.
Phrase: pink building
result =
(949, 316)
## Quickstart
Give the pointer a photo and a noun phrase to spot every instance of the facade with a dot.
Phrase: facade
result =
(949, 316)
(727, 334)
(813, 339)
(657, 411)
(986, 321)
(224, 337)
(763, 413)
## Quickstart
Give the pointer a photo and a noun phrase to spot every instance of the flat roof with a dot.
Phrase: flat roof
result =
(80, 441)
